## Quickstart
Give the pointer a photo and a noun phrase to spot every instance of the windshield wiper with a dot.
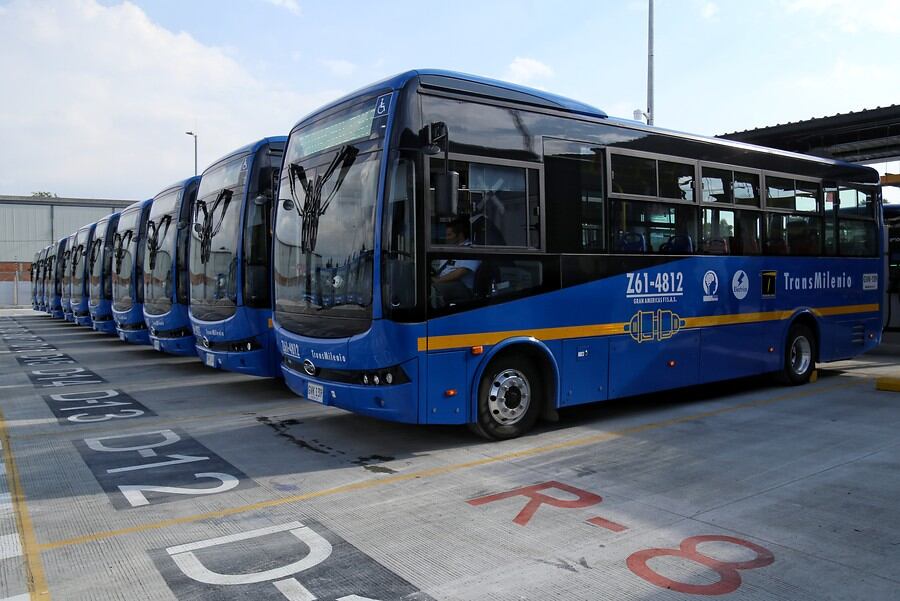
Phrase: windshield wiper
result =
(153, 243)
(119, 244)
(95, 246)
(208, 231)
(313, 208)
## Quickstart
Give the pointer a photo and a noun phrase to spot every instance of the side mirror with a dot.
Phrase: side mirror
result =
(198, 228)
(446, 194)
(261, 200)
(182, 224)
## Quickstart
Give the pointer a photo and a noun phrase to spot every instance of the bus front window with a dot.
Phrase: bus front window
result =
(324, 237)
(214, 240)
(124, 252)
(161, 236)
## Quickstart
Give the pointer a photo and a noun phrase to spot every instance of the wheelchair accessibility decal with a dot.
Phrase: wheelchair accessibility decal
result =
(297, 561)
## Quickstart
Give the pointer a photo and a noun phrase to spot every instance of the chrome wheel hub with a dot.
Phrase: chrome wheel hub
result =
(509, 397)
(801, 355)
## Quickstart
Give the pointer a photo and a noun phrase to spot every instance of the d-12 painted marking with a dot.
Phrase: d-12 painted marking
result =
(134, 473)
(729, 576)
(60, 377)
(37, 358)
(94, 406)
(583, 499)
(297, 561)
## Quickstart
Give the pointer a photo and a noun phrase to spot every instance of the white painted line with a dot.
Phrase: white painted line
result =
(233, 538)
(22, 597)
(2, 473)
(10, 546)
(293, 590)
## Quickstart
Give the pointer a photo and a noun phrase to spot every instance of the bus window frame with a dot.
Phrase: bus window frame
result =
(611, 193)
(734, 169)
(820, 198)
(480, 249)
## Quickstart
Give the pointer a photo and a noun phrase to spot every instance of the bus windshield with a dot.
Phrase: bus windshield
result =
(325, 224)
(214, 240)
(95, 258)
(78, 263)
(124, 253)
(162, 228)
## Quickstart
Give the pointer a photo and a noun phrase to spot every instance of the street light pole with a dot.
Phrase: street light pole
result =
(650, 67)
(190, 133)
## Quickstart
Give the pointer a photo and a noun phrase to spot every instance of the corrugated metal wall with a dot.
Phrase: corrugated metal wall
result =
(26, 229)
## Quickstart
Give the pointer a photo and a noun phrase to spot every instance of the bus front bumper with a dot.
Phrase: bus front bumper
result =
(133, 336)
(253, 363)
(183, 346)
(391, 403)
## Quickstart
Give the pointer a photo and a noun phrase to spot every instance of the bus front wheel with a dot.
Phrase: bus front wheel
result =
(799, 355)
(510, 396)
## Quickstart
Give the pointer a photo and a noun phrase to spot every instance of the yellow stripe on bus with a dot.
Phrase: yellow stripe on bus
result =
(453, 341)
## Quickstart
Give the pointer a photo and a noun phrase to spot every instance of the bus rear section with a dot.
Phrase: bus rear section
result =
(128, 281)
(166, 281)
(81, 275)
(230, 260)
(557, 258)
(100, 266)
(55, 292)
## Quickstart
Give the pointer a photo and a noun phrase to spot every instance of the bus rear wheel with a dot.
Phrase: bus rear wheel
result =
(799, 355)
(510, 396)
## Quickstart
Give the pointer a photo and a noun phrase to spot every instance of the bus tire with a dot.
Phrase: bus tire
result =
(799, 355)
(510, 398)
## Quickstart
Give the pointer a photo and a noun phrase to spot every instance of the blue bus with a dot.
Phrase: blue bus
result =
(66, 267)
(55, 279)
(45, 271)
(81, 273)
(128, 273)
(37, 280)
(230, 260)
(167, 288)
(456, 250)
(100, 263)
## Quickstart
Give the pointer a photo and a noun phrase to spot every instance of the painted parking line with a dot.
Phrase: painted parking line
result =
(447, 469)
(34, 568)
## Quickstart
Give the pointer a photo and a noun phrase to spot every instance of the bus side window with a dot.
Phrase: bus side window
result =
(574, 180)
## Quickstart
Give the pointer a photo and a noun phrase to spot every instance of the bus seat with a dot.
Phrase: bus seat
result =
(630, 242)
(717, 246)
(679, 244)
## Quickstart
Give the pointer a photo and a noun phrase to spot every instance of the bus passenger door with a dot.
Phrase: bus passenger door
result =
(585, 369)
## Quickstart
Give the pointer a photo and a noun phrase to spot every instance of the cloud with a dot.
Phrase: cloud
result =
(850, 16)
(96, 100)
(709, 10)
(524, 70)
(292, 6)
(339, 67)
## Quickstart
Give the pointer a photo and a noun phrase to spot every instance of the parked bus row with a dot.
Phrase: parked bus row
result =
(438, 248)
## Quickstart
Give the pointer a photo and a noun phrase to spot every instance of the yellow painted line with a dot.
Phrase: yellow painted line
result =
(34, 569)
(846, 310)
(453, 341)
(436, 471)
(888, 384)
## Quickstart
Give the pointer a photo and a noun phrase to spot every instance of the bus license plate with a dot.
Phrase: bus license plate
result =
(315, 392)
(156, 345)
(210, 360)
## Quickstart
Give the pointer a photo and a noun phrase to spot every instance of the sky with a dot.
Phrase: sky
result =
(96, 95)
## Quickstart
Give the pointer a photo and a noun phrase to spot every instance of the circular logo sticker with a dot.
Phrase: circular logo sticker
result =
(710, 286)
(740, 284)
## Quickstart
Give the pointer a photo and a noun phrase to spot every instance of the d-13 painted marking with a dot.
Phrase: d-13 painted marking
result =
(310, 563)
(159, 466)
(94, 406)
(44, 357)
(59, 377)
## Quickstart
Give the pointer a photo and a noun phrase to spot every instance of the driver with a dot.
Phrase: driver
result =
(457, 270)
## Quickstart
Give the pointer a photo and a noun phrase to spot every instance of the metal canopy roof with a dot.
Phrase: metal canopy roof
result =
(858, 137)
